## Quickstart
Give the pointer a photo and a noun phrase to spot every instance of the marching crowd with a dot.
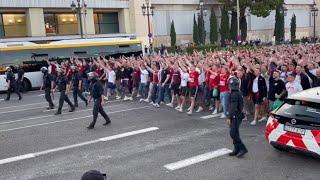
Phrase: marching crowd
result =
(198, 82)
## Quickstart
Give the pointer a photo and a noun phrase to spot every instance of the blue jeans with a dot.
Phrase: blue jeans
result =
(224, 98)
(143, 90)
(207, 96)
(155, 90)
(160, 94)
(167, 93)
(86, 84)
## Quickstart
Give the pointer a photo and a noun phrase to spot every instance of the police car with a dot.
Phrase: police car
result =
(295, 125)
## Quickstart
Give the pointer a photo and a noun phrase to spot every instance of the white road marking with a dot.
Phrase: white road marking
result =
(40, 95)
(38, 107)
(109, 138)
(211, 116)
(197, 159)
(39, 117)
(66, 120)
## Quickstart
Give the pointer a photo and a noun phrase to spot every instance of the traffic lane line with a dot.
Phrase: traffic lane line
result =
(26, 109)
(46, 116)
(104, 139)
(211, 116)
(197, 159)
(67, 120)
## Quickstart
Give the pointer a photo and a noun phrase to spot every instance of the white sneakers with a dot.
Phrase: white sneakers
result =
(262, 119)
(126, 98)
(141, 100)
(223, 116)
(189, 112)
(215, 112)
(130, 98)
(200, 109)
(253, 123)
(170, 105)
(178, 107)
(118, 97)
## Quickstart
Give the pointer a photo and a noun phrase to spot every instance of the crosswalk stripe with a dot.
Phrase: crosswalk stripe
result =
(197, 159)
(109, 138)
(211, 116)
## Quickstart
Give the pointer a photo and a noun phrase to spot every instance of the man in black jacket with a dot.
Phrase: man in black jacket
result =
(11, 84)
(302, 78)
(277, 88)
(235, 116)
(61, 83)
(76, 84)
(315, 78)
(47, 86)
(96, 93)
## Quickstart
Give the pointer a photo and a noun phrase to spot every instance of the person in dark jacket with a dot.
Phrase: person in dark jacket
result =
(20, 74)
(47, 86)
(315, 78)
(235, 117)
(259, 90)
(277, 88)
(11, 84)
(76, 84)
(96, 92)
(61, 83)
(302, 78)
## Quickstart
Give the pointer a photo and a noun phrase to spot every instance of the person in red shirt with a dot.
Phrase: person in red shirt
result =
(193, 87)
(214, 78)
(174, 84)
(224, 90)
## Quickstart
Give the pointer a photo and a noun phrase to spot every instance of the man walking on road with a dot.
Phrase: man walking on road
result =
(61, 83)
(96, 92)
(47, 86)
(11, 84)
(76, 83)
(235, 117)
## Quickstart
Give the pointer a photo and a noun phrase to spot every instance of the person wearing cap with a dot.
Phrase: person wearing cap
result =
(76, 82)
(11, 84)
(236, 116)
(47, 86)
(96, 93)
(61, 85)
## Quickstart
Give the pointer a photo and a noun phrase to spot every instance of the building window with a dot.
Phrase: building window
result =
(13, 25)
(106, 23)
(61, 24)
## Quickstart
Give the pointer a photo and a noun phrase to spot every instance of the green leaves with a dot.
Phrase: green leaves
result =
(195, 31)
(213, 28)
(293, 27)
(173, 35)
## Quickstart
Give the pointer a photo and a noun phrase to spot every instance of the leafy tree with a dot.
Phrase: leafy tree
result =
(243, 28)
(224, 27)
(293, 27)
(173, 35)
(213, 28)
(279, 25)
(195, 31)
(234, 26)
(260, 8)
(201, 30)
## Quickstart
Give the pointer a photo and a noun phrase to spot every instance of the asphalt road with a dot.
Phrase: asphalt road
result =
(142, 142)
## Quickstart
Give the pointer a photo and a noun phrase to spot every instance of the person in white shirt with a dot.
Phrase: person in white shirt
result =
(143, 87)
(111, 77)
(292, 86)
(183, 87)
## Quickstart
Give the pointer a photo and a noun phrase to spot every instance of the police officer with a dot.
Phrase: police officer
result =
(47, 86)
(235, 117)
(61, 84)
(11, 83)
(20, 77)
(96, 92)
(76, 83)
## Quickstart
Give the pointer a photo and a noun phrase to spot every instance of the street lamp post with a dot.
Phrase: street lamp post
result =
(78, 9)
(202, 13)
(147, 10)
(314, 12)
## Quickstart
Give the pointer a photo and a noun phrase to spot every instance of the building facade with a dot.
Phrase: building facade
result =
(35, 20)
